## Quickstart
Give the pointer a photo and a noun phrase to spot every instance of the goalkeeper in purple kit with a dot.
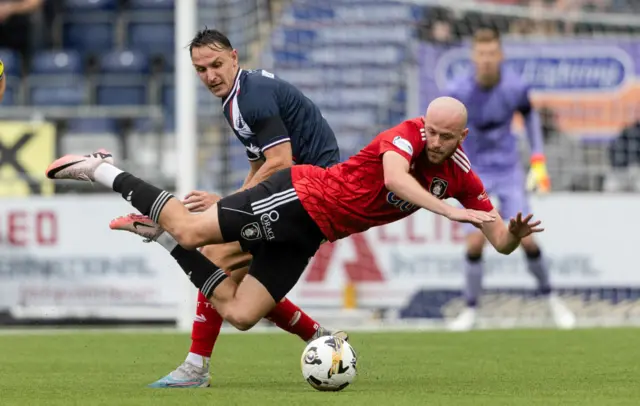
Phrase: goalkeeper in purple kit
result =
(492, 95)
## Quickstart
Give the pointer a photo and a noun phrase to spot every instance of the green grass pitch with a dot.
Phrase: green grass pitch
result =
(525, 367)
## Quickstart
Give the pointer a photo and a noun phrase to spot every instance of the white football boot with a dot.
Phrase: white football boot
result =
(78, 167)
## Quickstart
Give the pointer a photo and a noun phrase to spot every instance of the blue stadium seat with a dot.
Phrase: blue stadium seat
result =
(362, 54)
(368, 12)
(361, 75)
(92, 37)
(12, 62)
(312, 12)
(128, 61)
(358, 119)
(238, 161)
(147, 125)
(143, 5)
(56, 62)
(170, 122)
(65, 93)
(154, 38)
(10, 95)
(339, 35)
(168, 98)
(90, 5)
(169, 62)
(124, 95)
(92, 126)
(336, 97)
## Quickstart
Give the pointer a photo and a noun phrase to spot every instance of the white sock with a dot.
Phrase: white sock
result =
(167, 241)
(105, 174)
(198, 360)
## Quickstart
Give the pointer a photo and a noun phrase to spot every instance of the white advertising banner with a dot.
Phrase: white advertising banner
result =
(589, 241)
(58, 256)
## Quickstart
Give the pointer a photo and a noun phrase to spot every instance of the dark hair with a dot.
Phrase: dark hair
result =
(486, 34)
(208, 37)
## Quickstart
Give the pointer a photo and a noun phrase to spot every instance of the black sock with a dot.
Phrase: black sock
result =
(148, 199)
(204, 274)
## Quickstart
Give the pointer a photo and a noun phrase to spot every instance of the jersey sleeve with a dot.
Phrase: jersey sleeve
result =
(405, 139)
(524, 100)
(261, 112)
(253, 153)
(472, 194)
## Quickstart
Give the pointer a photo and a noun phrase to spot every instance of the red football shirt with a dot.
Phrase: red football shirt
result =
(351, 197)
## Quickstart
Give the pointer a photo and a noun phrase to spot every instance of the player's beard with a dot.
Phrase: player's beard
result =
(438, 157)
(489, 80)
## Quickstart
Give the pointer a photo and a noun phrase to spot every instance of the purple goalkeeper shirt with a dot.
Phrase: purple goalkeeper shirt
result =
(491, 145)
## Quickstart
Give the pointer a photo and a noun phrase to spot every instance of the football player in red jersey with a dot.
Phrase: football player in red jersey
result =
(283, 220)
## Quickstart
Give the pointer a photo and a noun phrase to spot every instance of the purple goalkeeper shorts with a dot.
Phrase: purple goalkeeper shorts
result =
(507, 192)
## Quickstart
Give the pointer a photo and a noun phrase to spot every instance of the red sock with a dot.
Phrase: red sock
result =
(291, 318)
(206, 327)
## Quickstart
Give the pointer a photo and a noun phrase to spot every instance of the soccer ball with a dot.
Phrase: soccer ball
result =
(329, 364)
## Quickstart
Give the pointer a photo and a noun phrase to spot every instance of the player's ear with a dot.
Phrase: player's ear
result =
(234, 56)
(464, 134)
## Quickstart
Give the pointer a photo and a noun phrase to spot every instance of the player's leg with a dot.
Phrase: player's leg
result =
(275, 269)
(473, 272)
(253, 216)
(208, 322)
(514, 199)
(181, 226)
(190, 230)
(183, 230)
(194, 371)
(473, 266)
(273, 273)
(536, 265)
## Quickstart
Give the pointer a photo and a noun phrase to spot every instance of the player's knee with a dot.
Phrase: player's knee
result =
(475, 243)
(237, 316)
(474, 257)
(241, 320)
(531, 249)
(533, 252)
(185, 239)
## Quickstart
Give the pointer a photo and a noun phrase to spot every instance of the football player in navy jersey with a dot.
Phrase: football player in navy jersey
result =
(279, 127)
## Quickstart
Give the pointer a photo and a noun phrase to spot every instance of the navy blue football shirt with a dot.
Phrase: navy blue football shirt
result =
(265, 111)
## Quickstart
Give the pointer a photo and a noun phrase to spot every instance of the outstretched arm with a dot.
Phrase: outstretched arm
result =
(505, 239)
(398, 180)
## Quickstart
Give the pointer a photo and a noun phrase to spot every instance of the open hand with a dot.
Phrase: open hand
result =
(198, 200)
(474, 217)
(521, 227)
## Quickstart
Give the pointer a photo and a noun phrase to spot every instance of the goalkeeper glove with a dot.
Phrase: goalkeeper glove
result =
(538, 178)
(1, 70)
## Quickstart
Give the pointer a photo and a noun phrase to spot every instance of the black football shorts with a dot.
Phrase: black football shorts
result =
(270, 222)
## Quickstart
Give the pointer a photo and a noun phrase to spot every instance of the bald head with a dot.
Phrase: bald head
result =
(445, 126)
(447, 112)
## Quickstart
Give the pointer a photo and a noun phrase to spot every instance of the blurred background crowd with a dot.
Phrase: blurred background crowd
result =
(103, 72)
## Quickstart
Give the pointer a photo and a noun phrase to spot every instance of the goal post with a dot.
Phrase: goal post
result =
(186, 134)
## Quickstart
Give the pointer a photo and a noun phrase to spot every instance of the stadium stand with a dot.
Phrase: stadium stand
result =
(351, 57)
